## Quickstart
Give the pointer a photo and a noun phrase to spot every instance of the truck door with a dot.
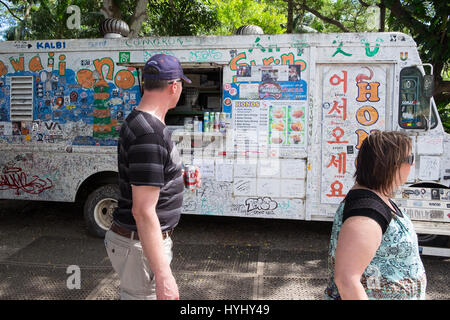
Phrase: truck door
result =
(352, 101)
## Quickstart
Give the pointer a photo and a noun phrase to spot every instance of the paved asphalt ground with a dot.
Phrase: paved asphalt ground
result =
(42, 245)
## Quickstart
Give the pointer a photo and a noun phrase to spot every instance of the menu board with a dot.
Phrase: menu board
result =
(269, 109)
(261, 125)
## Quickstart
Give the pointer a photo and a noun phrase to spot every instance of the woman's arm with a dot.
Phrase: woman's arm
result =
(357, 244)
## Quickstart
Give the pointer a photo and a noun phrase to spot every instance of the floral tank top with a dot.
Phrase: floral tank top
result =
(396, 271)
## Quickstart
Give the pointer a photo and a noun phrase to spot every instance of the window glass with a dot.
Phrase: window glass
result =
(414, 106)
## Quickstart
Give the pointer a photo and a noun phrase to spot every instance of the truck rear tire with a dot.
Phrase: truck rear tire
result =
(432, 240)
(99, 208)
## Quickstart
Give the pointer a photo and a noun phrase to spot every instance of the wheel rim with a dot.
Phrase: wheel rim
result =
(103, 212)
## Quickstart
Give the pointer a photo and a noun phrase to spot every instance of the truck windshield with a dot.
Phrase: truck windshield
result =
(414, 106)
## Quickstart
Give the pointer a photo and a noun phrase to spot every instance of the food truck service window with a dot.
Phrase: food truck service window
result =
(414, 106)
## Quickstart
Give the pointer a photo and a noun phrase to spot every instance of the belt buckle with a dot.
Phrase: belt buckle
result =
(166, 234)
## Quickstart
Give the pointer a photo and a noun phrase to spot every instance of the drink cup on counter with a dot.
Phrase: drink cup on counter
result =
(190, 177)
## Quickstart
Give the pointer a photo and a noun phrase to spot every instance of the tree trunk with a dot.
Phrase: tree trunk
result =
(382, 16)
(441, 87)
(290, 17)
(110, 9)
(139, 15)
(22, 24)
(303, 6)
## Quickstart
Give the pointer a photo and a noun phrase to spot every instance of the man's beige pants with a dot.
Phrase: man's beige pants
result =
(128, 260)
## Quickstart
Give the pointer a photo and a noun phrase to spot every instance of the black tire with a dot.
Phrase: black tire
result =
(99, 207)
(432, 240)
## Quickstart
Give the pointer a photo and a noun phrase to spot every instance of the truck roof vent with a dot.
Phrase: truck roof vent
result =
(114, 28)
(249, 29)
(21, 98)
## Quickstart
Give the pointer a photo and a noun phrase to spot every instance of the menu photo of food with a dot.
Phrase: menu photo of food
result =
(296, 112)
(277, 138)
(287, 124)
(296, 138)
(277, 112)
(277, 118)
(277, 124)
(296, 125)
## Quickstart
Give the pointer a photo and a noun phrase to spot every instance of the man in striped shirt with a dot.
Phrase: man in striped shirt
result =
(151, 188)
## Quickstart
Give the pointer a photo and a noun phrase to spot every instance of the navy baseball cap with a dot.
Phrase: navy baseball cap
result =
(164, 67)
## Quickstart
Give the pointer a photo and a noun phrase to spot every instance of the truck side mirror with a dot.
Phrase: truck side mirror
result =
(428, 85)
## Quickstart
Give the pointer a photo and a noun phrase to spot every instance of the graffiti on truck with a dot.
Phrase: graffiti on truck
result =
(88, 95)
(15, 178)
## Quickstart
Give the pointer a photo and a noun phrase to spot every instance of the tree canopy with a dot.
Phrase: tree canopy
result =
(232, 14)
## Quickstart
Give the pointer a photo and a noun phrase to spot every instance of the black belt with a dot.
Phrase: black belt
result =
(127, 233)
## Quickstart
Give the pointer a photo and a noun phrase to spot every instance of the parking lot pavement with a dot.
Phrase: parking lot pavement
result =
(44, 245)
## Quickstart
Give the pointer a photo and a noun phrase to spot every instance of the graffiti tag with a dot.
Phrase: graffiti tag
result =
(205, 55)
(15, 179)
(261, 204)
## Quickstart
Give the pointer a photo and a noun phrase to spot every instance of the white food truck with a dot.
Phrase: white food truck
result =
(290, 113)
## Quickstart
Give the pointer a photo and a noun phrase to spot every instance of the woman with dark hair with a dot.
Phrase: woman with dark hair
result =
(373, 250)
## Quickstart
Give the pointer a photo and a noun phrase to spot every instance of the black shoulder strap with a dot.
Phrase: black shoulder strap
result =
(369, 202)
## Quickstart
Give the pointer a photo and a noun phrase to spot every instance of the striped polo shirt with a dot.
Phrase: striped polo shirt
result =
(148, 157)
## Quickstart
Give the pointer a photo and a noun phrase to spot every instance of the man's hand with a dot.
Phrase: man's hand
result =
(166, 288)
(199, 177)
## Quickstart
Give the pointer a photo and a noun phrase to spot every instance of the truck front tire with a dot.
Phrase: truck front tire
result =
(99, 208)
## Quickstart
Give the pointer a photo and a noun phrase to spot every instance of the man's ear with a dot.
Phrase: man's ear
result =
(173, 87)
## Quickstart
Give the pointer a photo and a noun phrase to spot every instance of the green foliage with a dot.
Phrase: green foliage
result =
(444, 113)
(349, 13)
(47, 20)
(428, 22)
(179, 18)
(444, 106)
(232, 14)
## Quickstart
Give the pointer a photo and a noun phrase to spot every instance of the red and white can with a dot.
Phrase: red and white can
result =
(190, 177)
